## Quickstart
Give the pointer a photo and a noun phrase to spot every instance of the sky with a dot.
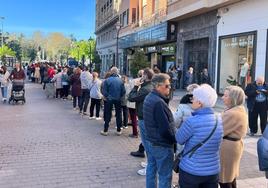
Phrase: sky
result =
(75, 17)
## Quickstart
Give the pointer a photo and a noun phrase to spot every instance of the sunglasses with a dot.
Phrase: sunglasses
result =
(167, 86)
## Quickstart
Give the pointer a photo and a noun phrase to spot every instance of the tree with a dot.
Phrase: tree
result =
(139, 62)
(16, 47)
(6, 51)
(83, 48)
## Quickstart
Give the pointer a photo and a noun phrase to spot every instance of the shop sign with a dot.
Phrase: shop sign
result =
(168, 49)
(151, 49)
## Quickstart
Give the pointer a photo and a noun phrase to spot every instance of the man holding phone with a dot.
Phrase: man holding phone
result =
(257, 103)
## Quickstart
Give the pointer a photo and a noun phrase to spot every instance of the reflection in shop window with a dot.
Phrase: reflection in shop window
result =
(236, 60)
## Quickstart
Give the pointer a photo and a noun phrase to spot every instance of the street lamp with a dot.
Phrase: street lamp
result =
(118, 28)
(90, 51)
(2, 31)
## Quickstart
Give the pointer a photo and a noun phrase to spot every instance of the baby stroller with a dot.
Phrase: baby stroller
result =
(17, 92)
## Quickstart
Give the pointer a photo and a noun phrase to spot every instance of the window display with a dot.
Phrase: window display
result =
(236, 60)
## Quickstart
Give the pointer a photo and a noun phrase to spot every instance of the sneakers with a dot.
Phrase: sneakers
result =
(118, 133)
(143, 164)
(74, 109)
(125, 127)
(104, 133)
(142, 172)
(98, 118)
(93, 117)
(137, 154)
(251, 134)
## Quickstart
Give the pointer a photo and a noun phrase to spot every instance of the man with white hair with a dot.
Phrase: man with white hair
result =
(113, 91)
(257, 104)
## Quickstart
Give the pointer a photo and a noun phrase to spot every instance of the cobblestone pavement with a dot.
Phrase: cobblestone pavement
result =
(45, 143)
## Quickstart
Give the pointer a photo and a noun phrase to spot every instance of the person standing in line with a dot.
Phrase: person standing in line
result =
(95, 95)
(179, 72)
(86, 83)
(257, 103)
(160, 133)
(204, 77)
(113, 91)
(124, 104)
(201, 167)
(37, 73)
(4, 81)
(65, 83)
(234, 120)
(189, 77)
(76, 87)
(262, 148)
(143, 86)
(57, 80)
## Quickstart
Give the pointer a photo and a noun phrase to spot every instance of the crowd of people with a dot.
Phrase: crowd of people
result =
(210, 145)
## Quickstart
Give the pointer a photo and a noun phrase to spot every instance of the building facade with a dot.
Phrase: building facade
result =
(228, 37)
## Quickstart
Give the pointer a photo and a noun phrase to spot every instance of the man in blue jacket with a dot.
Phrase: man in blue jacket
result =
(160, 133)
(262, 148)
(113, 91)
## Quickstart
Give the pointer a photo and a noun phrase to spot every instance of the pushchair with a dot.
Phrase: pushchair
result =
(17, 92)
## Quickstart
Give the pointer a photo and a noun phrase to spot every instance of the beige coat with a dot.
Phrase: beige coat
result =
(235, 123)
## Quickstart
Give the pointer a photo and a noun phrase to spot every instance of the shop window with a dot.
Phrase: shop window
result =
(134, 15)
(237, 60)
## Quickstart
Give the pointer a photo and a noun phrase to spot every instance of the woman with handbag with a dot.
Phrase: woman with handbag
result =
(202, 134)
(235, 121)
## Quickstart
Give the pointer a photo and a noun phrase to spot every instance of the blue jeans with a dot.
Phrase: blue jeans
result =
(143, 133)
(160, 161)
(4, 92)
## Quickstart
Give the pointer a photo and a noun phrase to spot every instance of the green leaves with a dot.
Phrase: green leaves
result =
(6, 51)
(83, 48)
(139, 62)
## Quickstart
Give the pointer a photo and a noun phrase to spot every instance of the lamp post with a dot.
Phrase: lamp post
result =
(118, 27)
(90, 51)
(2, 31)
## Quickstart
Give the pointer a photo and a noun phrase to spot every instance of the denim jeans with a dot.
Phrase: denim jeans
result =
(108, 114)
(143, 133)
(4, 92)
(160, 161)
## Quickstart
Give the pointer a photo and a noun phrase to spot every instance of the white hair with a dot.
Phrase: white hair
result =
(206, 95)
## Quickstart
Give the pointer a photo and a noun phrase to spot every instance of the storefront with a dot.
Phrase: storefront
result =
(236, 59)
(242, 43)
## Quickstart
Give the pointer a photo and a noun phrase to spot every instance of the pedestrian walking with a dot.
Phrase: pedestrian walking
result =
(202, 135)
(257, 104)
(113, 91)
(75, 82)
(86, 84)
(160, 133)
(96, 96)
(234, 120)
(4, 82)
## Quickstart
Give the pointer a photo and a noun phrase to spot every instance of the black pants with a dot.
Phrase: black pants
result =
(84, 100)
(94, 102)
(228, 185)
(108, 114)
(76, 101)
(125, 115)
(259, 109)
(65, 89)
(187, 180)
(59, 92)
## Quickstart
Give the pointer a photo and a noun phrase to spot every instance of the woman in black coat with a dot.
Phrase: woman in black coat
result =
(76, 87)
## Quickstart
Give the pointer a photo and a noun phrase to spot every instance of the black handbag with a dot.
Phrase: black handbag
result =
(178, 157)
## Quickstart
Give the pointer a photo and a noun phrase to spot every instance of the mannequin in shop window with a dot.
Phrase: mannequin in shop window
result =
(243, 73)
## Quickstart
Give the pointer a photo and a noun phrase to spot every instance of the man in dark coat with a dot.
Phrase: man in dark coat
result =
(257, 104)
(160, 133)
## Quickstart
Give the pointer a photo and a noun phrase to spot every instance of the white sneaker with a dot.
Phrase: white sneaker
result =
(98, 118)
(93, 117)
(143, 164)
(142, 172)
(74, 109)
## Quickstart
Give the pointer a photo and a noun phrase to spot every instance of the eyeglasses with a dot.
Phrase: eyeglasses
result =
(168, 86)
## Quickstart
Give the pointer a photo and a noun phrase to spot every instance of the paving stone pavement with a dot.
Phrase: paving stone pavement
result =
(44, 143)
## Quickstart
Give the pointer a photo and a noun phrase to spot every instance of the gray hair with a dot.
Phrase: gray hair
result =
(190, 88)
(236, 94)
(159, 79)
(114, 70)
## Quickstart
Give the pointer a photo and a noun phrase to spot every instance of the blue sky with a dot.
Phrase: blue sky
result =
(75, 17)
